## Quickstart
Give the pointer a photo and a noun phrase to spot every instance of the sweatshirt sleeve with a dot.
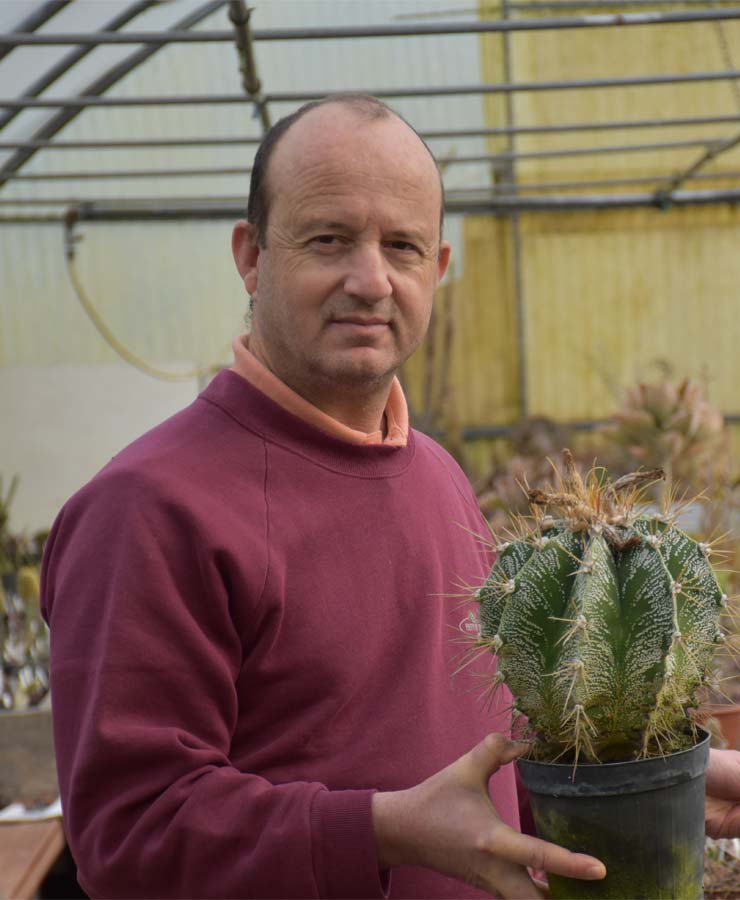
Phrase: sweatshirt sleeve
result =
(144, 659)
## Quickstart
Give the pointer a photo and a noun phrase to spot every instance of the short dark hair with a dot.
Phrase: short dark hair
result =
(369, 107)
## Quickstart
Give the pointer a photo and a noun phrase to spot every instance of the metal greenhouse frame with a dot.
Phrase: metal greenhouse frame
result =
(507, 197)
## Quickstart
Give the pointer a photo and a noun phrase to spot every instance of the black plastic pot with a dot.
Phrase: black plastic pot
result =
(643, 819)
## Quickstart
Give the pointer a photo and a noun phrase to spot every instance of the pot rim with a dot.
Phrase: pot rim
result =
(712, 709)
(632, 776)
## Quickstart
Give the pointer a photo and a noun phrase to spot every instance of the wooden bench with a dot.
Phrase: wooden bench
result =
(27, 851)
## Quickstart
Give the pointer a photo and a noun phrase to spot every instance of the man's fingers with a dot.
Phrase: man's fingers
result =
(513, 883)
(723, 776)
(538, 854)
(722, 818)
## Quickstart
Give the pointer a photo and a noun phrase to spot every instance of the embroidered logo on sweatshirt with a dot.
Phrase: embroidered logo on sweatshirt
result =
(469, 625)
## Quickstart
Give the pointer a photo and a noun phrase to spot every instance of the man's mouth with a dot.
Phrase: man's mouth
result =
(362, 328)
(360, 321)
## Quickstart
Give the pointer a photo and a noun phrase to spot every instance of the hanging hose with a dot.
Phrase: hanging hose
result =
(70, 239)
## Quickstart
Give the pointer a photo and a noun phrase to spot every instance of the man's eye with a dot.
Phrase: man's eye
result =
(326, 239)
(404, 246)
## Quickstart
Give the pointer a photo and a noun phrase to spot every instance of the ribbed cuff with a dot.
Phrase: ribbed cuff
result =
(344, 851)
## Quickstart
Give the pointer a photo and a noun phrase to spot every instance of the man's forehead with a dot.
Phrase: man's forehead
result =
(340, 121)
(331, 200)
(336, 140)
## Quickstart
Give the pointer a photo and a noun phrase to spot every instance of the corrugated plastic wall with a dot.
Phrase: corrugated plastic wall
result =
(169, 291)
(609, 299)
(609, 295)
(603, 53)
(605, 295)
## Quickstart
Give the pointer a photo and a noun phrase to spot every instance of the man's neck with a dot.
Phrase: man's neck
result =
(359, 406)
(363, 413)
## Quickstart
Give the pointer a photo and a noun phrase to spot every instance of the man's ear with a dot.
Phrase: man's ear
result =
(246, 250)
(443, 259)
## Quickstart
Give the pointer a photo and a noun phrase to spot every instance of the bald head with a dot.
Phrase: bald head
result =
(353, 109)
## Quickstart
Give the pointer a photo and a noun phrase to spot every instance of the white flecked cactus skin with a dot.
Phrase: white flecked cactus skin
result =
(604, 619)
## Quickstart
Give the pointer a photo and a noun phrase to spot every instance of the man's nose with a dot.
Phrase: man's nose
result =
(368, 275)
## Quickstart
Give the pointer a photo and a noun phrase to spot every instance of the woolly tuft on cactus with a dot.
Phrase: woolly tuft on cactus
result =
(604, 619)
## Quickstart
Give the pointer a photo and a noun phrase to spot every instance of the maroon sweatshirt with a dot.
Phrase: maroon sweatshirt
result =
(252, 630)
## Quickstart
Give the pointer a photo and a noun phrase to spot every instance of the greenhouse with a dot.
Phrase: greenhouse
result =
(577, 363)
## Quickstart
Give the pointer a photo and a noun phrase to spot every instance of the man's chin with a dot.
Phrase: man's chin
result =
(362, 368)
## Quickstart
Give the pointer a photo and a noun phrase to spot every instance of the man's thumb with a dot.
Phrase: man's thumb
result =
(494, 751)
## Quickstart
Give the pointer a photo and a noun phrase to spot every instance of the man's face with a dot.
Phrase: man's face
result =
(343, 288)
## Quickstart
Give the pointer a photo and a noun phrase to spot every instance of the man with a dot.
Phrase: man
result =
(252, 656)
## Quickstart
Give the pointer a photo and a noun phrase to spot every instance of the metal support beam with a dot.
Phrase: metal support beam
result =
(508, 176)
(239, 16)
(384, 31)
(565, 127)
(537, 6)
(89, 175)
(35, 20)
(578, 202)
(73, 57)
(143, 209)
(81, 102)
(529, 186)
(588, 151)
(161, 209)
(149, 143)
(486, 432)
(144, 144)
(664, 195)
(458, 196)
(540, 5)
(503, 160)
(93, 90)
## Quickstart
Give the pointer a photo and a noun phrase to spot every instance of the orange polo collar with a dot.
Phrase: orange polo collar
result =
(396, 411)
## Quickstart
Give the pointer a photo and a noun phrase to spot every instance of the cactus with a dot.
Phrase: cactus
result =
(604, 620)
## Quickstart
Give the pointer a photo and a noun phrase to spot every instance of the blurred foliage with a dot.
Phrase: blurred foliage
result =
(24, 640)
(667, 424)
(533, 443)
(672, 426)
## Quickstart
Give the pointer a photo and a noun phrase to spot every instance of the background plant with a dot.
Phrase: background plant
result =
(24, 642)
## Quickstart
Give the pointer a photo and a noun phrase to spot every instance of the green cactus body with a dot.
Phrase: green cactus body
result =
(605, 623)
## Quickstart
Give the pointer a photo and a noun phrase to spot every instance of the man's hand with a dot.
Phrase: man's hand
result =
(723, 794)
(448, 823)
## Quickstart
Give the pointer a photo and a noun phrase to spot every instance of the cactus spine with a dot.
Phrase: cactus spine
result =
(604, 620)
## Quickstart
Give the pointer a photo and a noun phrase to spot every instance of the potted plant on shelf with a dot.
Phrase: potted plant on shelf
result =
(605, 620)
(27, 769)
